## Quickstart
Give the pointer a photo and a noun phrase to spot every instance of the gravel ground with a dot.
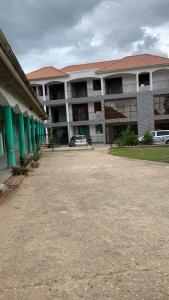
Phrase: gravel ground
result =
(87, 225)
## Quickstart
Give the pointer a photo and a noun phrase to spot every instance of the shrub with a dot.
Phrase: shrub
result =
(148, 138)
(17, 170)
(24, 161)
(128, 138)
(36, 155)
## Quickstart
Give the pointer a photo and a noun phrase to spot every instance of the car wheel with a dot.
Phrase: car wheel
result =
(167, 142)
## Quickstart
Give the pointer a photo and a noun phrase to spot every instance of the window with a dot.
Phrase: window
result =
(162, 133)
(114, 85)
(99, 129)
(161, 105)
(34, 88)
(57, 91)
(97, 106)
(79, 89)
(144, 79)
(40, 90)
(96, 85)
(126, 108)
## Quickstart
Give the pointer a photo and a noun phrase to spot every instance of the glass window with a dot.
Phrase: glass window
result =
(97, 106)
(34, 88)
(99, 129)
(40, 90)
(96, 85)
(144, 79)
(161, 105)
(162, 133)
(126, 108)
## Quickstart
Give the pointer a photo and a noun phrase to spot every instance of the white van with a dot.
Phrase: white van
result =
(159, 136)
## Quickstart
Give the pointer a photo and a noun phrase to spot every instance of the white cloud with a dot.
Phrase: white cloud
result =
(161, 33)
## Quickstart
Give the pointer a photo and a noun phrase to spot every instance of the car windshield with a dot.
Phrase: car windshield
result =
(80, 137)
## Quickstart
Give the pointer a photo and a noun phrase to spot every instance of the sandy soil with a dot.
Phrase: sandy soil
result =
(87, 225)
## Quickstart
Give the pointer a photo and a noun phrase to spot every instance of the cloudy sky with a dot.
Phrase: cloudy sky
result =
(64, 32)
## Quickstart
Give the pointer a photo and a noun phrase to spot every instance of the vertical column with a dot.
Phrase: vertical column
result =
(28, 126)
(9, 136)
(33, 135)
(22, 135)
(151, 81)
(137, 83)
(103, 109)
(44, 99)
(37, 134)
(102, 86)
(103, 120)
(40, 133)
(67, 110)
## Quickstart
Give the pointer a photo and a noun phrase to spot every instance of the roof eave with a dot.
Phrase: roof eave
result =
(134, 68)
(49, 77)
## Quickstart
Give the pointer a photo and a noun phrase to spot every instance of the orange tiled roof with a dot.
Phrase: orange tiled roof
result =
(85, 67)
(136, 61)
(46, 72)
(128, 62)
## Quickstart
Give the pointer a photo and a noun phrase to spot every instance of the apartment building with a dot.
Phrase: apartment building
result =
(21, 114)
(101, 99)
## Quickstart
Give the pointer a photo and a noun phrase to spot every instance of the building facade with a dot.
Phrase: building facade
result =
(102, 99)
(21, 114)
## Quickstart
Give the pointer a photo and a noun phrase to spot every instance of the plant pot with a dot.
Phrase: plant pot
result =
(35, 164)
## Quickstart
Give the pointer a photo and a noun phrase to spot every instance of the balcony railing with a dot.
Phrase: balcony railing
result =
(90, 116)
(129, 87)
(161, 84)
(144, 88)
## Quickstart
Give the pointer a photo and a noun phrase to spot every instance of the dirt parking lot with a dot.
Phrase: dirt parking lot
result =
(87, 225)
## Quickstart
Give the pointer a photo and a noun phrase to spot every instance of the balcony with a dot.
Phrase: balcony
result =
(79, 89)
(161, 84)
(56, 92)
(86, 118)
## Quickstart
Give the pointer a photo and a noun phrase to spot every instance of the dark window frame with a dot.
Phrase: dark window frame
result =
(96, 85)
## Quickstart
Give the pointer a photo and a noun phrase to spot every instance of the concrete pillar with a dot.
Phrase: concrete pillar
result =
(37, 133)
(145, 108)
(9, 136)
(67, 111)
(102, 86)
(22, 135)
(103, 120)
(137, 83)
(151, 81)
(28, 126)
(40, 131)
(33, 135)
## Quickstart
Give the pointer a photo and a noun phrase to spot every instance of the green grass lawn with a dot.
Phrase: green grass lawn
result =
(160, 154)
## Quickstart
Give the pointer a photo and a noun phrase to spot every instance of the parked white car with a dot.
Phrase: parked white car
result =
(78, 140)
(159, 136)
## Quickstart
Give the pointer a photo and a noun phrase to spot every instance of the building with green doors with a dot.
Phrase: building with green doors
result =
(21, 114)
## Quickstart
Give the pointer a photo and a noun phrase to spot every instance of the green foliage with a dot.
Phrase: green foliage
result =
(51, 144)
(152, 153)
(148, 138)
(24, 161)
(17, 170)
(128, 138)
(36, 155)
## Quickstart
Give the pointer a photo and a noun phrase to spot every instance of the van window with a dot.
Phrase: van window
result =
(162, 133)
